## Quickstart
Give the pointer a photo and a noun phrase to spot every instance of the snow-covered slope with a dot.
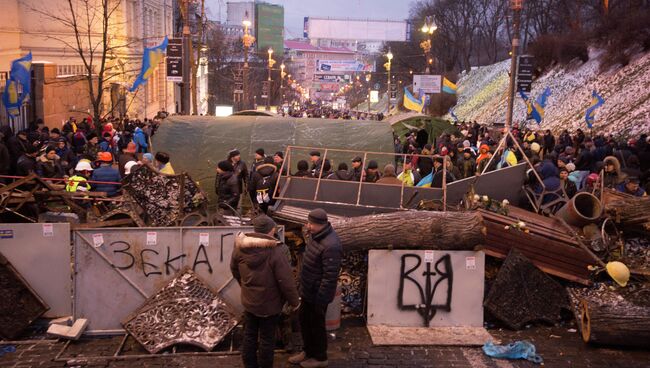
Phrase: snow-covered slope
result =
(482, 95)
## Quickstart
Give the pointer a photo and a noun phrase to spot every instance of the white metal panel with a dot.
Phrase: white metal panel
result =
(44, 261)
(446, 286)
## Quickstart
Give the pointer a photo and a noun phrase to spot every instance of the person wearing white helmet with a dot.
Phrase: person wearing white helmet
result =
(130, 166)
(79, 182)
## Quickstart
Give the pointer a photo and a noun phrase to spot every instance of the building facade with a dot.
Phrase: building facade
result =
(43, 28)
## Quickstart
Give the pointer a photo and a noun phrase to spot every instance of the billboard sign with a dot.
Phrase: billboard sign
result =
(343, 66)
(174, 69)
(326, 87)
(331, 78)
(356, 30)
(427, 83)
(374, 96)
(175, 48)
(269, 28)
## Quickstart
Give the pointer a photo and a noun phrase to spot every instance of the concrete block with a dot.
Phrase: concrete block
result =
(69, 332)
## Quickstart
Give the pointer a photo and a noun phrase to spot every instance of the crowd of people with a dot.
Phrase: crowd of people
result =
(81, 155)
(566, 164)
(328, 112)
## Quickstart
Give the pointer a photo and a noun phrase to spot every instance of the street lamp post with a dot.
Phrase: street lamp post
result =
(516, 6)
(248, 42)
(389, 56)
(268, 91)
(428, 28)
(368, 77)
(281, 83)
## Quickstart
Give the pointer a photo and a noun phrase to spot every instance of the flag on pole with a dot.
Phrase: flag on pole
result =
(448, 86)
(151, 57)
(590, 114)
(535, 109)
(17, 88)
(453, 114)
(413, 103)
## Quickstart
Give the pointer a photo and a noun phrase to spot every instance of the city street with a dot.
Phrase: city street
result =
(351, 348)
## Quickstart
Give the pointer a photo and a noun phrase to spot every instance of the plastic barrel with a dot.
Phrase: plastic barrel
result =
(333, 314)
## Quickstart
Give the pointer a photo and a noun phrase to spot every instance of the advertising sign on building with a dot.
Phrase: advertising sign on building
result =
(331, 78)
(374, 96)
(174, 69)
(427, 83)
(342, 66)
(326, 87)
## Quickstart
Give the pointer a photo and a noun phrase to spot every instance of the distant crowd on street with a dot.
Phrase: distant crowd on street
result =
(328, 112)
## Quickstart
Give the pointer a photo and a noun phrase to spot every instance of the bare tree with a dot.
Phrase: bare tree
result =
(93, 26)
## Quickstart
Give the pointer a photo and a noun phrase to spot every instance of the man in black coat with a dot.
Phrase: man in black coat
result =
(320, 271)
(227, 187)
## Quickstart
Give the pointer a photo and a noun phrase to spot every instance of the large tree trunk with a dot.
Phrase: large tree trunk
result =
(604, 320)
(412, 230)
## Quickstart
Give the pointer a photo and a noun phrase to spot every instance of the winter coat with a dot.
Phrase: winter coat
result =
(227, 189)
(17, 147)
(341, 175)
(356, 174)
(584, 162)
(140, 140)
(109, 174)
(321, 264)
(467, 167)
(392, 180)
(425, 165)
(241, 171)
(414, 177)
(616, 177)
(569, 188)
(25, 165)
(263, 183)
(78, 142)
(91, 151)
(550, 176)
(303, 174)
(49, 168)
(371, 178)
(5, 159)
(260, 266)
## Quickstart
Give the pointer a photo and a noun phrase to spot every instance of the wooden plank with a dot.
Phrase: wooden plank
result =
(417, 336)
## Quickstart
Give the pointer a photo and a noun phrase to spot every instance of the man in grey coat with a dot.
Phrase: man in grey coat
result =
(260, 266)
(320, 271)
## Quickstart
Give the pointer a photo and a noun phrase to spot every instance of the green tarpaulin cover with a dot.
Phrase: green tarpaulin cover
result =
(197, 143)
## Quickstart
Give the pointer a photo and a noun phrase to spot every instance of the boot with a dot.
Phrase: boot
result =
(298, 358)
(313, 363)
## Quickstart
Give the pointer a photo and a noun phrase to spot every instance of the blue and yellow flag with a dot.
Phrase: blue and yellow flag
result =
(17, 88)
(151, 57)
(535, 109)
(426, 181)
(448, 86)
(596, 102)
(412, 103)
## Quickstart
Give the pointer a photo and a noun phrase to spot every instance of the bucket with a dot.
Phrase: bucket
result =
(583, 209)
(333, 314)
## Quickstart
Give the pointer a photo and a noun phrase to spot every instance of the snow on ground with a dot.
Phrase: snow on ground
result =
(482, 95)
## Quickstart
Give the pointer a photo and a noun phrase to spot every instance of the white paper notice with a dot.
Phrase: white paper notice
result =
(470, 263)
(204, 239)
(152, 238)
(98, 240)
(48, 230)
(428, 256)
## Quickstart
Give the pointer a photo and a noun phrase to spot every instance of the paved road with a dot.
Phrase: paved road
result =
(351, 349)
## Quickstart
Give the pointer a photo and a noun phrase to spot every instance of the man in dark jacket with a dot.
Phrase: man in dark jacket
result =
(260, 266)
(239, 168)
(106, 173)
(27, 161)
(227, 187)
(342, 173)
(303, 170)
(357, 169)
(320, 270)
(372, 174)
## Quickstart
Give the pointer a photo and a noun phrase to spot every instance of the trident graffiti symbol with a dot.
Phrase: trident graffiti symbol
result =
(427, 309)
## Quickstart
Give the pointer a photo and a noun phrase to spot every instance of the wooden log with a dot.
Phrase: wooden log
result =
(606, 320)
(412, 230)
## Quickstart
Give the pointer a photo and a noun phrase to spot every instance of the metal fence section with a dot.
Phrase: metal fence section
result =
(116, 270)
(41, 254)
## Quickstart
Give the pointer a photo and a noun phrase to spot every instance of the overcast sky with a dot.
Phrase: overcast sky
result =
(296, 10)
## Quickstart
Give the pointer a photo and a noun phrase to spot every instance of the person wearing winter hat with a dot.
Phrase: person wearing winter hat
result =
(239, 168)
(259, 160)
(372, 174)
(92, 146)
(260, 267)
(318, 277)
(147, 158)
(227, 187)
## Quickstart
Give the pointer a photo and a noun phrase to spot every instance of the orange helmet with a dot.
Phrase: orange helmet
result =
(105, 157)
